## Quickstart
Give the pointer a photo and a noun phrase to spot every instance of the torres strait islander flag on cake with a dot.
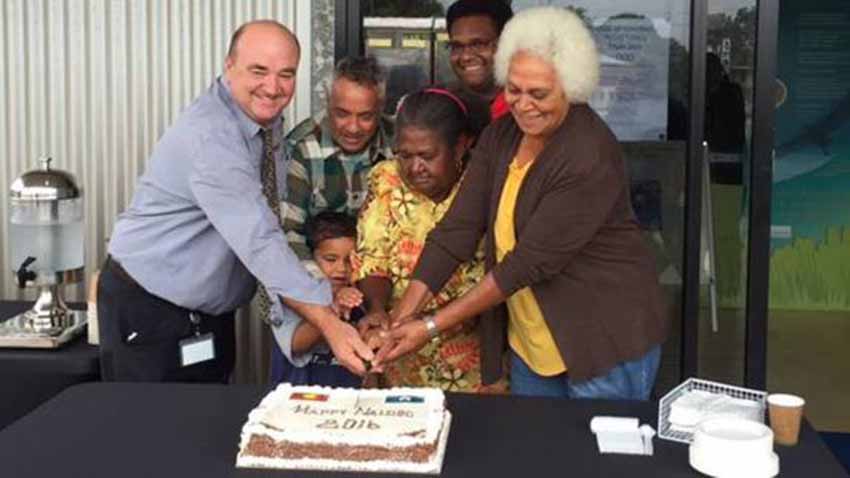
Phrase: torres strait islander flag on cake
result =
(405, 399)
(322, 428)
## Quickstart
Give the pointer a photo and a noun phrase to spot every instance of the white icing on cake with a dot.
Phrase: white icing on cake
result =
(313, 415)
(433, 466)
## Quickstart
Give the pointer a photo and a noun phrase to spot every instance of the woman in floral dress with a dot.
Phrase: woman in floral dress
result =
(408, 195)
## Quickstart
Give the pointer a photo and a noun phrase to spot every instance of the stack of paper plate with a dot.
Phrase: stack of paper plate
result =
(695, 406)
(734, 447)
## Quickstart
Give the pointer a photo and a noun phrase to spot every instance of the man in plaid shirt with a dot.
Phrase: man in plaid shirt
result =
(332, 154)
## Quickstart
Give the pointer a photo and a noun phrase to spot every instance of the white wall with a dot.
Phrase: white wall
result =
(94, 83)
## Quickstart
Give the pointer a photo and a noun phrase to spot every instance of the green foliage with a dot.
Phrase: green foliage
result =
(811, 276)
(805, 275)
(729, 251)
(740, 30)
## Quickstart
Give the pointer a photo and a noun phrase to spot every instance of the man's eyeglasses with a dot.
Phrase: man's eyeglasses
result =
(474, 47)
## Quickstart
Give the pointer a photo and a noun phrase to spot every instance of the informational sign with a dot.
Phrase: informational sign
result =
(632, 94)
(811, 192)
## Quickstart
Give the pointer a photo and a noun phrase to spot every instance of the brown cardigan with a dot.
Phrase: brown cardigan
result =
(578, 246)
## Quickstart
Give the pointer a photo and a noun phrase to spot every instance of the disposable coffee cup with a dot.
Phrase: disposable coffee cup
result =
(786, 413)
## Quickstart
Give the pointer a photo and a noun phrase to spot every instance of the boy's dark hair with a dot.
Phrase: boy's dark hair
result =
(329, 225)
(498, 10)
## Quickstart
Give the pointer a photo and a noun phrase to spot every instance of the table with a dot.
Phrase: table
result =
(192, 430)
(31, 376)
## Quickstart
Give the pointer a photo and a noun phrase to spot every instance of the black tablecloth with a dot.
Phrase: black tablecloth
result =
(31, 376)
(186, 431)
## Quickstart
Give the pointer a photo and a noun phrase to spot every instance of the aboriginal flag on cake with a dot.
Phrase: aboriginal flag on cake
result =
(310, 397)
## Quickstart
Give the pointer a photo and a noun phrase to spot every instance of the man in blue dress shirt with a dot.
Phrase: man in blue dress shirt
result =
(201, 232)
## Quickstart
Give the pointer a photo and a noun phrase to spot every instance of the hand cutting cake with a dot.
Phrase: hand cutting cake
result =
(309, 427)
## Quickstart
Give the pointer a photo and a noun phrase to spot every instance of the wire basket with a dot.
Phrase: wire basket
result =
(665, 427)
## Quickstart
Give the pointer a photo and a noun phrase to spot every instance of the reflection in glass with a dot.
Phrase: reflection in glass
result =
(404, 47)
(643, 96)
(809, 322)
(403, 36)
(728, 104)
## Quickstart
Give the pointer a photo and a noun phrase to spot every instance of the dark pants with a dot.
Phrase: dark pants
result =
(154, 327)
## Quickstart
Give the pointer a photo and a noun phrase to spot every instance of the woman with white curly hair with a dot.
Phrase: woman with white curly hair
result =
(571, 287)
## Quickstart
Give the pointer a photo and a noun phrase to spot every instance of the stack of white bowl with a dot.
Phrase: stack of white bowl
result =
(734, 447)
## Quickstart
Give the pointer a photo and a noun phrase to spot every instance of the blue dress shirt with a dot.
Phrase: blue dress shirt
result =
(199, 232)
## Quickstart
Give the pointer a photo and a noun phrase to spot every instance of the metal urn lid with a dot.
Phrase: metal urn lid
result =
(44, 184)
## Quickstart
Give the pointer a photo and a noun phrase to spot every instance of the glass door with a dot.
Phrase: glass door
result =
(729, 85)
(644, 96)
(674, 74)
(809, 317)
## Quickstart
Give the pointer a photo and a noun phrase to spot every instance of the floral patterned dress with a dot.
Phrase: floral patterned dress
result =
(391, 232)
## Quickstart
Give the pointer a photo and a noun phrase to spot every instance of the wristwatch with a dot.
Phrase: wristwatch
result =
(431, 327)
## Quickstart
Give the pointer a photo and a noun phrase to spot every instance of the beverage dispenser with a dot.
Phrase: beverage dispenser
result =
(46, 251)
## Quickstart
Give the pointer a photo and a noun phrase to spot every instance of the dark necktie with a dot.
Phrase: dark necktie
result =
(268, 177)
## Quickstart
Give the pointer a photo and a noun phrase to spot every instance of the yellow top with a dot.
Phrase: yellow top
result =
(528, 334)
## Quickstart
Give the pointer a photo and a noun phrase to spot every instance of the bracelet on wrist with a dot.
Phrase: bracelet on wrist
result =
(431, 326)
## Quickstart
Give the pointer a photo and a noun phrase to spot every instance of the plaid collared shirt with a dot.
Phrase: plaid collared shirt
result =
(321, 177)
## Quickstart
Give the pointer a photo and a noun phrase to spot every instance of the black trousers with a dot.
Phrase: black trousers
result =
(154, 326)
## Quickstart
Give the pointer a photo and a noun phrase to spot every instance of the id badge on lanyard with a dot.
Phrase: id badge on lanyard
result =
(198, 347)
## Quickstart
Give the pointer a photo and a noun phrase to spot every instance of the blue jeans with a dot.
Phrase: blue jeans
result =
(627, 381)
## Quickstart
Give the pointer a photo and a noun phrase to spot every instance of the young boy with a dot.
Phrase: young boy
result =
(299, 354)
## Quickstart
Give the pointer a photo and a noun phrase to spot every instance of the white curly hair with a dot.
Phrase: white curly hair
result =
(558, 36)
